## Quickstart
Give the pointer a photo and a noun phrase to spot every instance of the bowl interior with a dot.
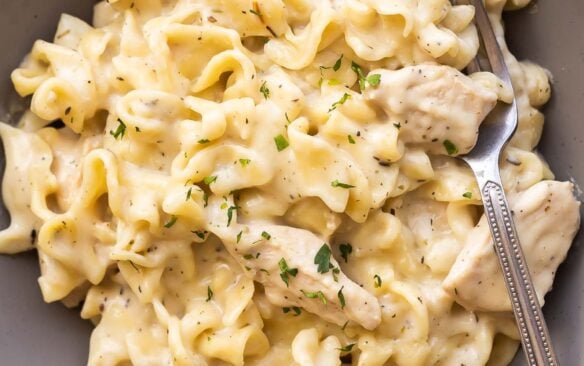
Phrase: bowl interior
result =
(34, 333)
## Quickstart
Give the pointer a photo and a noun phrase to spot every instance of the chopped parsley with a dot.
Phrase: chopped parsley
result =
(346, 249)
(189, 192)
(264, 90)
(314, 295)
(450, 147)
(266, 235)
(343, 99)
(323, 259)
(248, 256)
(230, 214)
(244, 162)
(281, 142)
(210, 179)
(209, 293)
(377, 281)
(467, 195)
(372, 80)
(238, 237)
(200, 233)
(397, 125)
(347, 348)
(338, 184)
(205, 199)
(285, 271)
(351, 139)
(341, 297)
(254, 12)
(171, 222)
(203, 141)
(120, 131)
(336, 271)
(295, 309)
(338, 64)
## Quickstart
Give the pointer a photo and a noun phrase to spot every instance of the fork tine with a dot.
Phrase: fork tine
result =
(488, 40)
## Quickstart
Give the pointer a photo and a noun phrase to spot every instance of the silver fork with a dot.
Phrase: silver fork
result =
(494, 134)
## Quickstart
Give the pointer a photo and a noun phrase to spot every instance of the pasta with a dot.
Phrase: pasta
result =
(275, 182)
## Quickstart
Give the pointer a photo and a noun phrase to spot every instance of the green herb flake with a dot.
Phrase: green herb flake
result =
(295, 309)
(341, 297)
(281, 142)
(254, 12)
(351, 139)
(230, 214)
(376, 281)
(347, 348)
(323, 259)
(338, 63)
(397, 125)
(244, 162)
(314, 295)
(374, 79)
(336, 271)
(359, 71)
(346, 250)
(200, 233)
(450, 147)
(205, 199)
(467, 195)
(266, 235)
(264, 90)
(248, 256)
(171, 222)
(203, 141)
(238, 237)
(120, 130)
(285, 271)
(210, 179)
(341, 101)
(345, 325)
(209, 293)
(338, 184)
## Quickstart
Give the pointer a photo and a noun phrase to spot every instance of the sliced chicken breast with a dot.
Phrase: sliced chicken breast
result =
(284, 260)
(436, 107)
(547, 219)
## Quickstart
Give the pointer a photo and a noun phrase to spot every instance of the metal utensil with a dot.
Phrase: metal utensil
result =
(494, 133)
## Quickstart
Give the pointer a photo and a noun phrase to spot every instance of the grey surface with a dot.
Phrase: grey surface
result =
(552, 33)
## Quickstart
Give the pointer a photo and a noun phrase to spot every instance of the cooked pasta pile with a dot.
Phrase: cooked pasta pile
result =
(275, 182)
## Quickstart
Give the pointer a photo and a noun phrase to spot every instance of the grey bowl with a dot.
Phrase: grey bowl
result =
(550, 33)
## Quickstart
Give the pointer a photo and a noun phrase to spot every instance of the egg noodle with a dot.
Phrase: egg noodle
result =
(275, 182)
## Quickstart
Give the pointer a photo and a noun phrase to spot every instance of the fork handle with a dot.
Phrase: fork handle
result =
(532, 327)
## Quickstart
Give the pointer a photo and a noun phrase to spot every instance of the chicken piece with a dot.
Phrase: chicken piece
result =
(282, 259)
(435, 107)
(547, 217)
